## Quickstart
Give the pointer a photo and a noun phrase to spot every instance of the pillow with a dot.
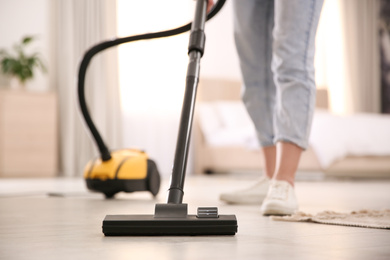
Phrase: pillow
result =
(227, 123)
(209, 119)
(233, 114)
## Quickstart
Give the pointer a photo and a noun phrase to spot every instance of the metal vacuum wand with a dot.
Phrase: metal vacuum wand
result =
(195, 52)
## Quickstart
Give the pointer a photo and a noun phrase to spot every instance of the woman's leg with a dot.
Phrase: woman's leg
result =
(293, 67)
(253, 26)
(287, 159)
(269, 155)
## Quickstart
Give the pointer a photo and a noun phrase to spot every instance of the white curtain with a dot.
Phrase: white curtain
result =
(348, 55)
(360, 20)
(79, 25)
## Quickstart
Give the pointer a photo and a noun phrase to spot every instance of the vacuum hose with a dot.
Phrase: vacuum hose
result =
(104, 151)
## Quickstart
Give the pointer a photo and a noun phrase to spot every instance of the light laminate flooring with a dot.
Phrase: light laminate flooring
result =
(60, 219)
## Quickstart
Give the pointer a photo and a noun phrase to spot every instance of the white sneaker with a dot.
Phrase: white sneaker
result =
(252, 195)
(280, 200)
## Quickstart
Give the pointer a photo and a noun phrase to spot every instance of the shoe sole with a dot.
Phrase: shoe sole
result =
(245, 201)
(277, 211)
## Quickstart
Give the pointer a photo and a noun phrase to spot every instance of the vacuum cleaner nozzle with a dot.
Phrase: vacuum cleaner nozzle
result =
(171, 219)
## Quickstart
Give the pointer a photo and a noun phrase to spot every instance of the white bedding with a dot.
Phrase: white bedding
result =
(334, 137)
(226, 123)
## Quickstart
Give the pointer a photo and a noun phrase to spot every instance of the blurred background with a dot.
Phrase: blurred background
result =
(135, 91)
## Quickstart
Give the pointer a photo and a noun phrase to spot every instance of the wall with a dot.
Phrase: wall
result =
(19, 18)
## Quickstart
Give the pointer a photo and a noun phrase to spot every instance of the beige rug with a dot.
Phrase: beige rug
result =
(362, 218)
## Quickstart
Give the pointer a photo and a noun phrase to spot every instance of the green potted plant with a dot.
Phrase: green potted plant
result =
(19, 64)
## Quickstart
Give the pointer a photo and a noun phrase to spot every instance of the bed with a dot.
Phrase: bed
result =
(224, 137)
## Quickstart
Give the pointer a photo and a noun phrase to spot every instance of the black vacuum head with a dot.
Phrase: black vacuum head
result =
(206, 222)
(148, 225)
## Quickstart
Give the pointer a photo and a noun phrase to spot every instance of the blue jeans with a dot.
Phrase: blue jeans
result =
(275, 42)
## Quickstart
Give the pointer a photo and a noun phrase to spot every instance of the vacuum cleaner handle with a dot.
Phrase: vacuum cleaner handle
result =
(195, 52)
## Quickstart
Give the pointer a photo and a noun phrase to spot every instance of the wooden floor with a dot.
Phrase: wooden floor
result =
(67, 224)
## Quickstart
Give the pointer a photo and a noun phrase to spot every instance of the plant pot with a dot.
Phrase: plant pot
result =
(15, 83)
(5, 81)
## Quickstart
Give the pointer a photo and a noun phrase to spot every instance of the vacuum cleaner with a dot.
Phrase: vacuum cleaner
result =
(118, 171)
